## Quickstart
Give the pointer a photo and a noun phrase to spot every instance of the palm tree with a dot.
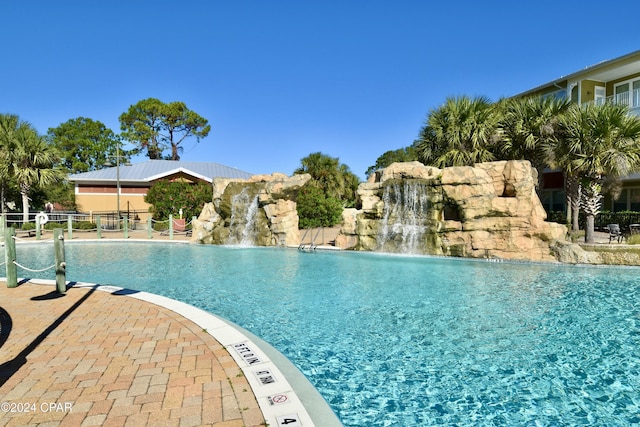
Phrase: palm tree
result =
(461, 132)
(326, 173)
(9, 124)
(351, 182)
(528, 127)
(597, 141)
(29, 160)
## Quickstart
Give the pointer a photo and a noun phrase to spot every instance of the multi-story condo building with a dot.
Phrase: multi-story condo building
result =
(615, 80)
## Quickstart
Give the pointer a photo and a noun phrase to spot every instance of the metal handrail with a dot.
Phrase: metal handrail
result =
(312, 245)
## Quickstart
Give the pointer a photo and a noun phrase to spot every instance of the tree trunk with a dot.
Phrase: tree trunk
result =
(573, 202)
(575, 212)
(591, 202)
(589, 229)
(25, 208)
(569, 217)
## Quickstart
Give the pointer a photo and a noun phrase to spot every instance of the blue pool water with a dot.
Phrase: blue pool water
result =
(410, 341)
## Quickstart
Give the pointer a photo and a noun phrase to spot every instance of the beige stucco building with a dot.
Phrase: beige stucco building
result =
(122, 188)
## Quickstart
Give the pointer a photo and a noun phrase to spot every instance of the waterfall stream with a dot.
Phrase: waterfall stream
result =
(404, 217)
(244, 207)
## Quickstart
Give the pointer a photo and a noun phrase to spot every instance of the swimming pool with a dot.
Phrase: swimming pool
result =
(409, 341)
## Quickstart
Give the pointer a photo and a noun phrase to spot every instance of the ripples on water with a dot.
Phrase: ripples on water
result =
(411, 341)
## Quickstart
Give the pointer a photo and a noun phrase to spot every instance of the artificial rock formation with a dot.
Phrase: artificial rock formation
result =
(258, 211)
(490, 210)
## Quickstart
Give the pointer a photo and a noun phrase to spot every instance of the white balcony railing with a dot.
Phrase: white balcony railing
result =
(632, 99)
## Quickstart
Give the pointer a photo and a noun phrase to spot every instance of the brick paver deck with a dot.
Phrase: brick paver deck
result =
(94, 358)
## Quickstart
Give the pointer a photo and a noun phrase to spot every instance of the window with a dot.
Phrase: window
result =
(629, 200)
(634, 199)
(600, 95)
(621, 93)
(635, 96)
(620, 204)
(553, 200)
(627, 93)
(559, 95)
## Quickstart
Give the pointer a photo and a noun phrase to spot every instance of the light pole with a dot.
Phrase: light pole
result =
(108, 163)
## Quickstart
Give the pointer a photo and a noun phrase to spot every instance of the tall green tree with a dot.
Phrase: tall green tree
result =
(30, 161)
(336, 182)
(9, 125)
(461, 132)
(155, 127)
(84, 144)
(325, 172)
(351, 183)
(529, 127)
(407, 154)
(597, 141)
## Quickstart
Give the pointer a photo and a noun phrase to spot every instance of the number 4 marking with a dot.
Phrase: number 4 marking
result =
(289, 420)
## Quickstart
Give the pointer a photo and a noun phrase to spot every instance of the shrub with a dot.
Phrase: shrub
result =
(160, 226)
(54, 225)
(315, 209)
(167, 198)
(84, 225)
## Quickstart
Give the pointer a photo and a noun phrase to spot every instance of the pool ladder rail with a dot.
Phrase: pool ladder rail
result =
(312, 246)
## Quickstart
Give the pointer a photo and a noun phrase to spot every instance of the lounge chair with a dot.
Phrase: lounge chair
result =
(614, 232)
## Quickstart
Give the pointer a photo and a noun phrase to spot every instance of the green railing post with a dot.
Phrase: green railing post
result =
(171, 227)
(149, 227)
(99, 226)
(69, 227)
(10, 257)
(125, 225)
(61, 265)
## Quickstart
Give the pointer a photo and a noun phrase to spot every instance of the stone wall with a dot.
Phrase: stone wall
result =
(259, 211)
(490, 210)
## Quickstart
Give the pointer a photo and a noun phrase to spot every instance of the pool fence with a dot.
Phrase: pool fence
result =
(37, 223)
(11, 263)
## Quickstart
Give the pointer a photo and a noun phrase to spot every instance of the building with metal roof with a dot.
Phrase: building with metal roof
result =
(614, 81)
(122, 188)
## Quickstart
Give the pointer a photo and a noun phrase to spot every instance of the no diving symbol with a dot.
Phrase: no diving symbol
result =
(278, 399)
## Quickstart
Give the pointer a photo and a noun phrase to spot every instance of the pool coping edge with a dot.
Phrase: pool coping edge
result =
(283, 393)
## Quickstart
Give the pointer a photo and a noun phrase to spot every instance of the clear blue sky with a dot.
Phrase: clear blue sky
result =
(278, 80)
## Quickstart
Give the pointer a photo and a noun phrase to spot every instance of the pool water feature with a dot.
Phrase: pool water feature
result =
(404, 218)
(244, 207)
(409, 341)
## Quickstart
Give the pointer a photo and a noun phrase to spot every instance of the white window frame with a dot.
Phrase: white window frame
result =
(630, 90)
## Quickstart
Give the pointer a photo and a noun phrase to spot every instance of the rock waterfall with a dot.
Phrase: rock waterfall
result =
(243, 221)
(489, 210)
(404, 217)
(259, 211)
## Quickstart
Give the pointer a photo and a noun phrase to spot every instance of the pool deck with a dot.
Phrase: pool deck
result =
(101, 355)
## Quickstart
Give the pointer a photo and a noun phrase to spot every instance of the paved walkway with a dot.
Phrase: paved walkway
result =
(93, 358)
(106, 235)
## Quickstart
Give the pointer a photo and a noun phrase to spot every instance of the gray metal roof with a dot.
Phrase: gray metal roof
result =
(157, 169)
(602, 71)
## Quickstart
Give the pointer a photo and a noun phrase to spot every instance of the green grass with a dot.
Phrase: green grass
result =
(633, 240)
